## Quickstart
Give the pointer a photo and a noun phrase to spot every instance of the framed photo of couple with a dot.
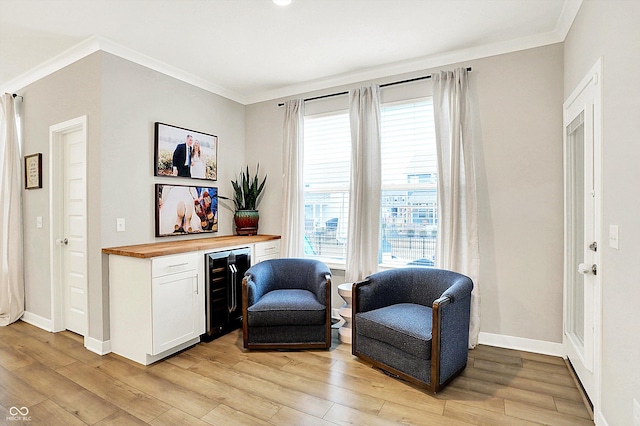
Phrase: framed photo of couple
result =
(185, 153)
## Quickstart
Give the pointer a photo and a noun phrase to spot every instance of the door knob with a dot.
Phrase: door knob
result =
(62, 241)
(585, 269)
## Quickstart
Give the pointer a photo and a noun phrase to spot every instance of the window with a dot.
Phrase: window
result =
(409, 184)
(327, 158)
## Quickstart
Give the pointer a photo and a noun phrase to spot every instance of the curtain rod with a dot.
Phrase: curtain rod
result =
(15, 95)
(331, 95)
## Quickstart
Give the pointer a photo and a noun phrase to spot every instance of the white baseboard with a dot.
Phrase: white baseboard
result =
(94, 345)
(599, 419)
(521, 344)
(97, 346)
(38, 321)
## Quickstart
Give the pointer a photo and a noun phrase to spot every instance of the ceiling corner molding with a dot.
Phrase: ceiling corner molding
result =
(97, 43)
(68, 57)
(113, 48)
(569, 12)
(418, 64)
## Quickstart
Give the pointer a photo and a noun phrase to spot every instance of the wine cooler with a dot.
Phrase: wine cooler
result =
(223, 290)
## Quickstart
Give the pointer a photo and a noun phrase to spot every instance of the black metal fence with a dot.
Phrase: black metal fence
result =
(406, 247)
(410, 247)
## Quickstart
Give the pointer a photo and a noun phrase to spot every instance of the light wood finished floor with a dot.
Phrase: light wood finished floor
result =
(61, 383)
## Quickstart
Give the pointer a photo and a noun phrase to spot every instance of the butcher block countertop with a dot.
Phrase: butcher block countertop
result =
(145, 251)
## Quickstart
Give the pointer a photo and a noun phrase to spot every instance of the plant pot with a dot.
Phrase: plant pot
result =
(246, 222)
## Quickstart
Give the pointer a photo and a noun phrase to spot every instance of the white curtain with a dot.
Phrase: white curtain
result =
(12, 278)
(364, 195)
(293, 180)
(457, 247)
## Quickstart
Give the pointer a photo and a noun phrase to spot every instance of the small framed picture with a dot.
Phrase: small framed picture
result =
(33, 171)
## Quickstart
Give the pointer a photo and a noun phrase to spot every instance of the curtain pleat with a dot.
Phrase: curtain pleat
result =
(457, 246)
(11, 244)
(293, 180)
(364, 197)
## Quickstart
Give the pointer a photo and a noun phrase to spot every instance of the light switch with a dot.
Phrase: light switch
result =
(120, 224)
(39, 222)
(613, 236)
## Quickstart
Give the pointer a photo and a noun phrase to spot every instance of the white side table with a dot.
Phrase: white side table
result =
(344, 290)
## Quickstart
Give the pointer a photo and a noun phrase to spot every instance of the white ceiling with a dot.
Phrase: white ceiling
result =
(253, 50)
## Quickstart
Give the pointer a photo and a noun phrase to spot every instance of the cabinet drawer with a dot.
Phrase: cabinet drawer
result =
(267, 249)
(167, 265)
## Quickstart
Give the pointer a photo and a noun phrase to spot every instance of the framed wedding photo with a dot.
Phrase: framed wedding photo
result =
(185, 153)
(182, 210)
(33, 171)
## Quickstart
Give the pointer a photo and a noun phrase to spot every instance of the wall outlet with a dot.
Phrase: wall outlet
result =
(120, 224)
(636, 413)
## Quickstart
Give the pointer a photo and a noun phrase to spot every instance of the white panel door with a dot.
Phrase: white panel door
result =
(68, 192)
(582, 152)
(75, 230)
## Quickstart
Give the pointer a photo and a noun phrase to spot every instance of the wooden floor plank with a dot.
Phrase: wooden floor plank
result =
(478, 416)
(225, 415)
(219, 382)
(534, 385)
(217, 391)
(313, 387)
(546, 417)
(522, 372)
(175, 417)
(85, 405)
(164, 390)
(288, 416)
(265, 389)
(573, 408)
(120, 394)
(409, 415)
(14, 392)
(51, 414)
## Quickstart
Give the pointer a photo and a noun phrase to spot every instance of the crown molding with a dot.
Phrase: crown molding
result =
(420, 64)
(567, 16)
(96, 43)
(68, 57)
(109, 46)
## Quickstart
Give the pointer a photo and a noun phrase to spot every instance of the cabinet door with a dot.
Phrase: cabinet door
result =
(177, 314)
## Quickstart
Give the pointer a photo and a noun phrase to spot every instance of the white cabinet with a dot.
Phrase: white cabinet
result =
(177, 307)
(266, 250)
(157, 299)
(157, 305)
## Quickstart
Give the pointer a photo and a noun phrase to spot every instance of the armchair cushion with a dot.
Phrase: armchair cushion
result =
(287, 307)
(405, 326)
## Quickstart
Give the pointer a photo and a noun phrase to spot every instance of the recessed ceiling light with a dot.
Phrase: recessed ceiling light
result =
(282, 2)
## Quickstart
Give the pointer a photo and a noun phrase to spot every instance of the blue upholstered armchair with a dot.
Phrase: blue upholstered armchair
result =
(413, 323)
(287, 305)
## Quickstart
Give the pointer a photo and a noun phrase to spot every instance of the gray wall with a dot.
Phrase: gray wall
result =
(69, 93)
(609, 29)
(519, 166)
(123, 101)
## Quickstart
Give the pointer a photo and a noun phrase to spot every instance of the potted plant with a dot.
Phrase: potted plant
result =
(247, 192)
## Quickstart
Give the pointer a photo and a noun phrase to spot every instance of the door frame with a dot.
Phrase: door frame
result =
(56, 175)
(593, 80)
